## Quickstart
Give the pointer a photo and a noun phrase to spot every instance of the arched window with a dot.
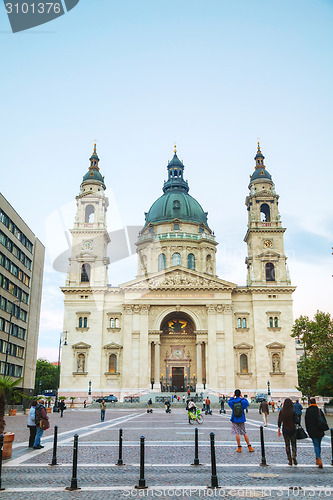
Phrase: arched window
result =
(270, 271)
(112, 363)
(243, 363)
(276, 322)
(191, 261)
(239, 323)
(85, 273)
(265, 213)
(176, 259)
(112, 323)
(80, 322)
(161, 262)
(89, 214)
(276, 365)
(81, 362)
(117, 323)
(271, 322)
(85, 322)
(244, 322)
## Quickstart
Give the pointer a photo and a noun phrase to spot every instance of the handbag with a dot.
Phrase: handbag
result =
(321, 422)
(300, 432)
(44, 424)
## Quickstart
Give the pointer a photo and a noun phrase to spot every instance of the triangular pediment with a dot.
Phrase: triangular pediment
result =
(113, 345)
(243, 345)
(269, 254)
(275, 345)
(178, 278)
(81, 345)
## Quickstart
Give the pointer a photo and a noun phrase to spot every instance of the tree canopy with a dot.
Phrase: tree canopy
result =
(315, 368)
(47, 373)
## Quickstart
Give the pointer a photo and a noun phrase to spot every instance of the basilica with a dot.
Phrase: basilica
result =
(177, 324)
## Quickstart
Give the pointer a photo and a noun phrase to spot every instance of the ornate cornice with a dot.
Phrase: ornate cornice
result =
(264, 289)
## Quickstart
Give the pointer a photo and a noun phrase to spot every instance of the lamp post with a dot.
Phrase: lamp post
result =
(268, 390)
(9, 333)
(89, 390)
(39, 388)
(62, 341)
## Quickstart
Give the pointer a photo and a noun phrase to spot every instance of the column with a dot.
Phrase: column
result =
(157, 385)
(212, 348)
(127, 349)
(144, 380)
(199, 385)
(229, 350)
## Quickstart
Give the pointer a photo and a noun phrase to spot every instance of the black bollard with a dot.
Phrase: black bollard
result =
(73, 485)
(214, 481)
(55, 441)
(1, 445)
(120, 458)
(263, 457)
(142, 481)
(332, 445)
(196, 448)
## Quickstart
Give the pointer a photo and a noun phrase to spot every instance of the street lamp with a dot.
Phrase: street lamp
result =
(10, 332)
(269, 390)
(62, 341)
(39, 387)
(89, 390)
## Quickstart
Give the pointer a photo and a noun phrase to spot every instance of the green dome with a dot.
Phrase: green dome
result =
(93, 175)
(260, 173)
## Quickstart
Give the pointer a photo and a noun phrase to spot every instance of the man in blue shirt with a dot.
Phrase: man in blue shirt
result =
(298, 410)
(238, 404)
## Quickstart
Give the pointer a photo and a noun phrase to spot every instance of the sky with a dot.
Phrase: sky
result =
(139, 76)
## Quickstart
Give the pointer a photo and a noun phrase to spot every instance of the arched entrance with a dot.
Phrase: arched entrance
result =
(178, 353)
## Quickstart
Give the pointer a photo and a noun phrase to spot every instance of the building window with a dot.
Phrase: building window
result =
(85, 322)
(265, 213)
(117, 324)
(80, 322)
(191, 261)
(89, 215)
(243, 363)
(239, 323)
(112, 363)
(244, 323)
(271, 322)
(161, 262)
(276, 322)
(112, 324)
(85, 273)
(176, 227)
(270, 271)
(176, 259)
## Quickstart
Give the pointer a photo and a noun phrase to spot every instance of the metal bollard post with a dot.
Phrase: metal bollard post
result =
(332, 445)
(196, 448)
(214, 481)
(142, 481)
(263, 457)
(1, 445)
(120, 458)
(73, 485)
(55, 441)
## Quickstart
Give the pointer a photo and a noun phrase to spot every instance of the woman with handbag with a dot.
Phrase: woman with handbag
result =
(288, 419)
(316, 425)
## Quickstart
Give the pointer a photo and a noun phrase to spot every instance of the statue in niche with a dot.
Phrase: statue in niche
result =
(80, 363)
(276, 363)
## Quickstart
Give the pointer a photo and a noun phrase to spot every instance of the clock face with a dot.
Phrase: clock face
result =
(87, 245)
(268, 243)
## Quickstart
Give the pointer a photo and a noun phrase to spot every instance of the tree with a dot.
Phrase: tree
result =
(315, 368)
(8, 392)
(47, 373)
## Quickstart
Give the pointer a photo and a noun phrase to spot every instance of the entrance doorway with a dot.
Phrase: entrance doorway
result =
(178, 378)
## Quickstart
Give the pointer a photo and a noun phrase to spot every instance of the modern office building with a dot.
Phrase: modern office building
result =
(21, 275)
(178, 324)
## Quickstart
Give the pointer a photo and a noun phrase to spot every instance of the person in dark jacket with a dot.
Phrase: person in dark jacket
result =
(238, 423)
(62, 407)
(40, 413)
(288, 420)
(312, 428)
(298, 409)
(264, 410)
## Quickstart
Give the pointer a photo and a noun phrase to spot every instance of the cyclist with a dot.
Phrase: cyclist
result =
(191, 407)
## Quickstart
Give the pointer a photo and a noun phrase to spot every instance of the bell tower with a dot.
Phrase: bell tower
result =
(90, 239)
(266, 261)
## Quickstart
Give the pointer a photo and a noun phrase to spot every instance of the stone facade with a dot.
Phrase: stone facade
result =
(178, 324)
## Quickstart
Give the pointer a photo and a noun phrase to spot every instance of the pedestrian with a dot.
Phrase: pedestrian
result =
(288, 419)
(222, 405)
(207, 406)
(84, 404)
(62, 407)
(149, 403)
(42, 423)
(204, 404)
(298, 409)
(184, 398)
(279, 405)
(264, 411)
(273, 406)
(188, 392)
(31, 423)
(238, 404)
(315, 421)
(103, 408)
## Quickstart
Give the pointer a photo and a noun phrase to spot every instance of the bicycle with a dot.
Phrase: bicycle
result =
(195, 417)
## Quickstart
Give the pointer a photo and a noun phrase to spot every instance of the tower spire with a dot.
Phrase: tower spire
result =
(94, 160)
(259, 158)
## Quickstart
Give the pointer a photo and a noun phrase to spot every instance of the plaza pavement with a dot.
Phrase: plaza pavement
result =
(169, 449)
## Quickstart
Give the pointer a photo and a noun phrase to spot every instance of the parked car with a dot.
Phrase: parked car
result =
(108, 399)
(260, 397)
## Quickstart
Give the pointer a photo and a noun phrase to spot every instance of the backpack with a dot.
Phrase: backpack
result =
(238, 410)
